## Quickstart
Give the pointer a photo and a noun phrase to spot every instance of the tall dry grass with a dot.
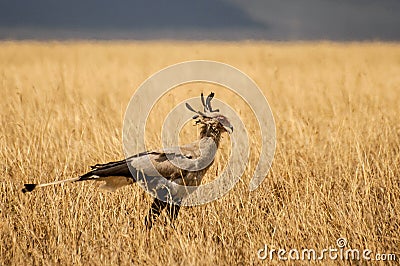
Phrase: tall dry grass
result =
(335, 172)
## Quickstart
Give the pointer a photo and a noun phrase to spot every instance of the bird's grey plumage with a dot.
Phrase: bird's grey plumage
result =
(176, 164)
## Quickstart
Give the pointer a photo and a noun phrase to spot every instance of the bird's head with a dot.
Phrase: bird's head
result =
(213, 119)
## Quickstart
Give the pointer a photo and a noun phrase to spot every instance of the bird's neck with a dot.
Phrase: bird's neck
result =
(207, 131)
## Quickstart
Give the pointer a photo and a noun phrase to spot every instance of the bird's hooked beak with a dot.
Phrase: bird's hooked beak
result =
(229, 129)
(226, 125)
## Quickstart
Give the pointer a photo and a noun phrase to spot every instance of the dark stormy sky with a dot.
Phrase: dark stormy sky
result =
(342, 20)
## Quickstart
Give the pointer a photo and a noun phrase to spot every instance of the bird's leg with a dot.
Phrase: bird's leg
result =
(155, 210)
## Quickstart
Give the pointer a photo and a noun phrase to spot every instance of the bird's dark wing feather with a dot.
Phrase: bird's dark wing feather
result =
(146, 164)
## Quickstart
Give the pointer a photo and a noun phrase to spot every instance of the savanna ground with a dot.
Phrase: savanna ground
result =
(335, 172)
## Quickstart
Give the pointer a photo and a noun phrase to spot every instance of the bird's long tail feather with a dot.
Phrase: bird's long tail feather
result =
(115, 174)
(31, 187)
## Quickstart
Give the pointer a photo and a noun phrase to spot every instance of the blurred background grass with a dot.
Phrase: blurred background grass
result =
(335, 172)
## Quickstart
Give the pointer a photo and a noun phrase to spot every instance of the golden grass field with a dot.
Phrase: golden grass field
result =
(336, 171)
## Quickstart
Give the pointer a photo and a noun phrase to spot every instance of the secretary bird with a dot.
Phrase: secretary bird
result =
(121, 173)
